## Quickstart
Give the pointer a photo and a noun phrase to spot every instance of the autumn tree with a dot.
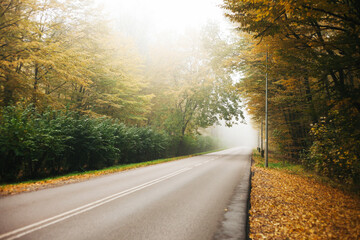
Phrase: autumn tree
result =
(64, 53)
(15, 30)
(322, 37)
(191, 90)
(43, 57)
(314, 65)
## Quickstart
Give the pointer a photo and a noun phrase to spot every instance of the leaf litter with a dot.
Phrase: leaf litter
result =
(12, 189)
(288, 206)
(16, 188)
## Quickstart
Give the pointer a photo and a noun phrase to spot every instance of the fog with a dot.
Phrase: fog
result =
(165, 15)
(238, 135)
(146, 22)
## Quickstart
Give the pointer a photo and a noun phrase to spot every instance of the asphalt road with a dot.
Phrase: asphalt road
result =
(184, 199)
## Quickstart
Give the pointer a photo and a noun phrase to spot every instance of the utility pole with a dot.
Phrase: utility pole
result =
(258, 141)
(266, 113)
(261, 139)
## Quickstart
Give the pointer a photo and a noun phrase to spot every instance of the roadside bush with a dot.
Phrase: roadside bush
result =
(193, 144)
(335, 151)
(35, 145)
(140, 144)
(16, 134)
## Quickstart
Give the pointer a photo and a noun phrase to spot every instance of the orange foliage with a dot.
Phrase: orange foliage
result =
(286, 206)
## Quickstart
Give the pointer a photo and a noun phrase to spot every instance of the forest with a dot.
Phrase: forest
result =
(76, 93)
(314, 79)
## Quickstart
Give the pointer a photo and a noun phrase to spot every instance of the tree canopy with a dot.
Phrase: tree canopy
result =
(194, 90)
(79, 92)
(64, 53)
(314, 76)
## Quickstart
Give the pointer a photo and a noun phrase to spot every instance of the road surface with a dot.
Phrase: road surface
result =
(179, 200)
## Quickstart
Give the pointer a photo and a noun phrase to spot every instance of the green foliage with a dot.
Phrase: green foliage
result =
(141, 144)
(335, 151)
(35, 145)
(194, 144)
(197, 90)
(65, 53)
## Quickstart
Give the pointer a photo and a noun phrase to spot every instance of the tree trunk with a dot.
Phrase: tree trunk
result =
(8, 93)
(309, 99)
(35, 86)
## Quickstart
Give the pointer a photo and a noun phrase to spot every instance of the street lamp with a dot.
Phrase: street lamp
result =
(266, 113)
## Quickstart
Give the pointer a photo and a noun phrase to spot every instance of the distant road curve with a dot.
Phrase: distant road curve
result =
(180, 200)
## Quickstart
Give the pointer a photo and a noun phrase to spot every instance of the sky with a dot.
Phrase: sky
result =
(159, 17)
(166, 14)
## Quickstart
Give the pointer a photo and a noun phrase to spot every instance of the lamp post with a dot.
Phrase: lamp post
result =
(266, 113)
(261, 139)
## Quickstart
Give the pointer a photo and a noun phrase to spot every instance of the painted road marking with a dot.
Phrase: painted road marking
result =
(17, 233)
(58, 218)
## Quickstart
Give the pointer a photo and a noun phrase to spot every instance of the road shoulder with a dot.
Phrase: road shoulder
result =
(234, 224)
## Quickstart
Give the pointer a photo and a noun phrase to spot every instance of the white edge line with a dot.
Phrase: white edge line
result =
(58, 218)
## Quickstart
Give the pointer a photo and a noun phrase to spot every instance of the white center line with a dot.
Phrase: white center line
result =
(17, 233)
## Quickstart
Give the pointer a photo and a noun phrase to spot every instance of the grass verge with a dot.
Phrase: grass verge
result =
(274, 163)
(34, 185)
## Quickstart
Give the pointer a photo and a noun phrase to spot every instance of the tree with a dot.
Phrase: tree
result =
(314, 68)
(194, 93)
(15, 30)
(64, 53)
(324, 36)
(38, 56)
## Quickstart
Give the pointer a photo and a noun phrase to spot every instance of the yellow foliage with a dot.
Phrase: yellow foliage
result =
(286, 206)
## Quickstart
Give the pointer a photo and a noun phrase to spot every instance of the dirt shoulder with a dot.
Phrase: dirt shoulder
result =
(289, 206)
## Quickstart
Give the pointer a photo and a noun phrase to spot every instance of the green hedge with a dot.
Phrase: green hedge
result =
(35, 145)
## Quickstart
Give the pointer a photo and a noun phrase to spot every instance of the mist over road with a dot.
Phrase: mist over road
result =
(184, 199)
